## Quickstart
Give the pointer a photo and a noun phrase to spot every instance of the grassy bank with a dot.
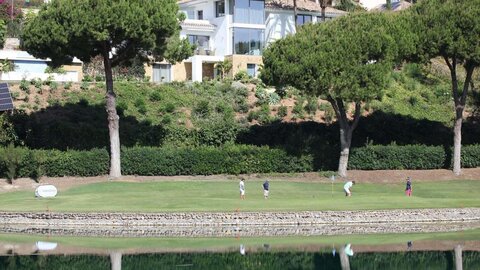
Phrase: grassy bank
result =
(177, 196)
(223, 243)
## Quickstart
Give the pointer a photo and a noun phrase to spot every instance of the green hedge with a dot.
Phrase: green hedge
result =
(234, 159)
(231, 159)
(57, 163)
(471, 156)
(394, 157)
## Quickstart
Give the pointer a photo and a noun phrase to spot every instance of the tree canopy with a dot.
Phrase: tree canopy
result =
(66, 29)
(118, 30)
(450, 29)
(345, 61)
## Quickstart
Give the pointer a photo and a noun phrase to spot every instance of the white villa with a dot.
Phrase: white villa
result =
(237, 30)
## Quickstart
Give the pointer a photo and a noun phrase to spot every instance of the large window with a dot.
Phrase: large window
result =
(248, 41)
(252, 70)
(303, 19)
(190, 14)
(219, 8)
(249, 11)
(200, 41)
(200, 15)
(320, 19)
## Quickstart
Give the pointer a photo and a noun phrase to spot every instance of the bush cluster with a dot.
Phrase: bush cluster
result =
(227, 159)
(394, 157)
(230, 159)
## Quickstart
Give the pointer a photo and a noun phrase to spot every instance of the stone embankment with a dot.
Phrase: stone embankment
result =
(244, 218)
(242, 223)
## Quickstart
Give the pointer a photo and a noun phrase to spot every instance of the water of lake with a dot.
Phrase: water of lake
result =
(423, 251)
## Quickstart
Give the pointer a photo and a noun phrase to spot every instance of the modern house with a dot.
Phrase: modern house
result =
(237, 30)
(28, 67)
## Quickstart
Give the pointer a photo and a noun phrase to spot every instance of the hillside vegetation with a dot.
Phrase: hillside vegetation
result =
(65, 116)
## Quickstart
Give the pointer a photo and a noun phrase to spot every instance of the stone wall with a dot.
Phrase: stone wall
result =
(242, 224)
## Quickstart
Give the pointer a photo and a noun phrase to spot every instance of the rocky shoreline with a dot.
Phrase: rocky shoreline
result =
(241, 223)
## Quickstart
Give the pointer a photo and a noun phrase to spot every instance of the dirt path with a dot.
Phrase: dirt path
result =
(386, 176)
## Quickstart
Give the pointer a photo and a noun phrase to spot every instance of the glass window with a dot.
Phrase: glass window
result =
(220, 8)
(303, 19)
(248, 41)
(191, 14)
(200, 15)
(319, 18)
(249, 11)
(200, 41)
(252, 70)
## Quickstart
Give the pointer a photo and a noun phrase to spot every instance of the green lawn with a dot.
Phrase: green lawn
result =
(170, 196)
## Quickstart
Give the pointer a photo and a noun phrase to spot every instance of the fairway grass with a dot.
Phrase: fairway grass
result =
(219, 196)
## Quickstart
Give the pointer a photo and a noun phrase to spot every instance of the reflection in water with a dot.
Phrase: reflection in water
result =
(409, 245)
(252, 260)
(242, 249)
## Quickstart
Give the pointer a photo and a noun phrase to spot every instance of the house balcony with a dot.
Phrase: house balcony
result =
(204, 51)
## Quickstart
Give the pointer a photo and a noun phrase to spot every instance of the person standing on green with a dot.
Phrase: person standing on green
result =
(347, 188)
(242, 189)
(266, 188)
(408, 188)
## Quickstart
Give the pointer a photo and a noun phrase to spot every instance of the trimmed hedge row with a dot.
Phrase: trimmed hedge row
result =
(57, 163)
(384, 157)
(234, 159)
(231, 159)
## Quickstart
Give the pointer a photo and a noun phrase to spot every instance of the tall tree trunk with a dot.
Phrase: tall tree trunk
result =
(346, 131)
(113, 119)
(345, 142)
(459, 99)
(295, 15)
(389, 5)
(457, 139)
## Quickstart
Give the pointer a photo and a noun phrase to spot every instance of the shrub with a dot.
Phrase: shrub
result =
(202, 108)
(141, 106)
(87, 78)
(168, 108)
(282, 111)
(312, 105)
(253, 115)
(470, 156)
(394, 157)
(25, 86)
(67, 85)
(85, 85)
(155, 96)
(232, 159)
(227, 159)
(11, 158)
(242, 76)
(53, 86)
(273, 98)
(298, 107)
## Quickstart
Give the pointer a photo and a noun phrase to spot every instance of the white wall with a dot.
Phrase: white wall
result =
(278, 25)
(69, 76)
(369, 4)
(221, 41)
(208, 8)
